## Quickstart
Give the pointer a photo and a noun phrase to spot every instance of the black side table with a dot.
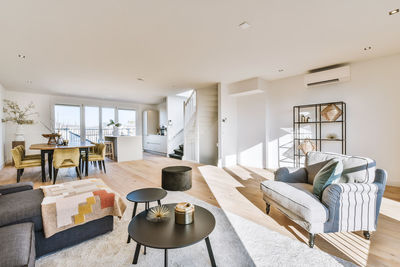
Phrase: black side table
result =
(145, 195)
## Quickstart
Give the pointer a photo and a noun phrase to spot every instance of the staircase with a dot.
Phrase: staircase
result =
(178, 153)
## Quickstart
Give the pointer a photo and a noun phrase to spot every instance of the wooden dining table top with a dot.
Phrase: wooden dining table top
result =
(45, 146)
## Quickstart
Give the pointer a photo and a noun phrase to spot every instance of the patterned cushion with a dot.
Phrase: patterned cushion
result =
(298, 198)
(355, 169)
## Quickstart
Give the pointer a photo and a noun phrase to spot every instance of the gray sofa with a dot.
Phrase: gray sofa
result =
(351, 205)
(20, 218)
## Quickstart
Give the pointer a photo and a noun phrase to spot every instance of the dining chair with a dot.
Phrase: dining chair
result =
(66, 158)
(25, 156)
(98, 156)
(21, 163)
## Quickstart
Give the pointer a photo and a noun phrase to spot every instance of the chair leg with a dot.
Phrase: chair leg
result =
(104, 166)
(55, 175)
(99, 163)
(268, 208)
(311, 240)
(19, 174)
(367, 235)
(22, 171)
(78, 172)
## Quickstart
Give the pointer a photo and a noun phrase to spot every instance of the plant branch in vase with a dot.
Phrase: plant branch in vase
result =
(18, 115)
(116, 125)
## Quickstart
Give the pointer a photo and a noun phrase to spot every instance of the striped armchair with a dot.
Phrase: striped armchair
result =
(351, 205)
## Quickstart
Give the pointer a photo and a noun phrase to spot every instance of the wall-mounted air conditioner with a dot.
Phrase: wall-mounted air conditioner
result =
(327, 76)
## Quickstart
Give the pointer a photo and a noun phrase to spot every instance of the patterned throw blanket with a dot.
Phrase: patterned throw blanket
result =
(70, 204)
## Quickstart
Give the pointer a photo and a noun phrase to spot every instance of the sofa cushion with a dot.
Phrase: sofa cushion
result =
(329, 174)
(17, 245)
(24, 206)
(298, 198)
(355, 169)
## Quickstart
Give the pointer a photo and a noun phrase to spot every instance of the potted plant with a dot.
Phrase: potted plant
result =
(19, 115)
(116, 125)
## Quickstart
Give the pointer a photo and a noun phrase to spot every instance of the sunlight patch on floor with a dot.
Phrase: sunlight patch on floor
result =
(390, 208)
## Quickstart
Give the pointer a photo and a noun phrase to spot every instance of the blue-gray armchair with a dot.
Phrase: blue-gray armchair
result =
(352, 204)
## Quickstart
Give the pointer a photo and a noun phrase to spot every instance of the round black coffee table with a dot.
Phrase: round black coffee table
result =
(169, 235)
(145, 195)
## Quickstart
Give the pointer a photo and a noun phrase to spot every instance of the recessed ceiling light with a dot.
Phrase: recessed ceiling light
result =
(244, 25)
(29, 82)
(140, 79)
(280, 70)
(394, 11)
(367, 48)
(21, 56)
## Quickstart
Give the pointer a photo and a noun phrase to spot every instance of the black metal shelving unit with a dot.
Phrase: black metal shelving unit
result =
(316, 127)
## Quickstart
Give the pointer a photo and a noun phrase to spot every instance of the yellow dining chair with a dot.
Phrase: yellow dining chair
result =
(21, 163)
(66, 158)
(98, 156)
(24, 156)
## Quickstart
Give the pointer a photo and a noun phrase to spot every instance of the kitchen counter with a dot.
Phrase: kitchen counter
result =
(126, 148)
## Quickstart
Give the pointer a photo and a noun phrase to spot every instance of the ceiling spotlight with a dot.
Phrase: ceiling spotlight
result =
(244, 25)
(21, 56)
(367, 48)
(140, 79)
(280, 70)
(394, 11)
(29, 82)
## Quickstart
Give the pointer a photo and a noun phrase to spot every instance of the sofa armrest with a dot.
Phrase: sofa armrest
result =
(13, 188)
(352, 207)
(291, 175)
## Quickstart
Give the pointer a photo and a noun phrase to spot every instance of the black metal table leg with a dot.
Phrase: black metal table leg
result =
(86, 161)
(136, 257)
(210, 252)
(159, 202)
(133, 215)
(50, 162)
(43, 161)
(166, 258)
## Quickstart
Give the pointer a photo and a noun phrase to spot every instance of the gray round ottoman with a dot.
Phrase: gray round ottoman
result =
(176, 178)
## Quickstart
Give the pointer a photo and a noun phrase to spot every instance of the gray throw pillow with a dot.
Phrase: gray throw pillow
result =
(313, 169)
(329, 174)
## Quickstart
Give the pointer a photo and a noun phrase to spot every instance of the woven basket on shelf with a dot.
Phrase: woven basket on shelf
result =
(331, 112)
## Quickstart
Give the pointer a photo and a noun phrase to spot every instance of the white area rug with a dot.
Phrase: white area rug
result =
(260, 247)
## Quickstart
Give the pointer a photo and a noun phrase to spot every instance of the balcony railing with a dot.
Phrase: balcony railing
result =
(91, 134)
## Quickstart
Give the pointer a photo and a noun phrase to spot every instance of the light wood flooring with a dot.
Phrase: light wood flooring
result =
(236, 190)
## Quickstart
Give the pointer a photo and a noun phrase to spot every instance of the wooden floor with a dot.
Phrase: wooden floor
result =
(237, 190)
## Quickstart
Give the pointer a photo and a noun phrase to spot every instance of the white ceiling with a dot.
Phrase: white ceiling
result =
(98, 48)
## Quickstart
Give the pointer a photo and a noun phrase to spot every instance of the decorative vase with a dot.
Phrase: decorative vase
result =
(19, 133)
(115, 131)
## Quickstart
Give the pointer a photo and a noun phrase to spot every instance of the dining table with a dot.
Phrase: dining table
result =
(49, 150)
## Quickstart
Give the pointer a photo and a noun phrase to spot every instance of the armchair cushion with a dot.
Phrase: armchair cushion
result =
(17, 245)
(21, 207)
(355, 169)
(329, 174)
(13, 188)
(296, 198)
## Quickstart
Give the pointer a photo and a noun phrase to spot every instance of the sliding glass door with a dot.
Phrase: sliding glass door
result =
(107, 114)
(92, 124)
(67, 121)
(127, 117)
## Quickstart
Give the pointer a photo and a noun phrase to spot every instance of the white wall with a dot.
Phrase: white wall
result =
(2, 128)
(44, 106)
(373, 114)
(175, 116)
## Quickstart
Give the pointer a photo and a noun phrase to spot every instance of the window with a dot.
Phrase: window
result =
(67, 121)
(92, 125)
(107, 114)
(127, 118)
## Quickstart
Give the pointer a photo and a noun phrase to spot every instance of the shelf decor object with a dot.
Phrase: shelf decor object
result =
(331, 112)
(318, 127)
(307, 146)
